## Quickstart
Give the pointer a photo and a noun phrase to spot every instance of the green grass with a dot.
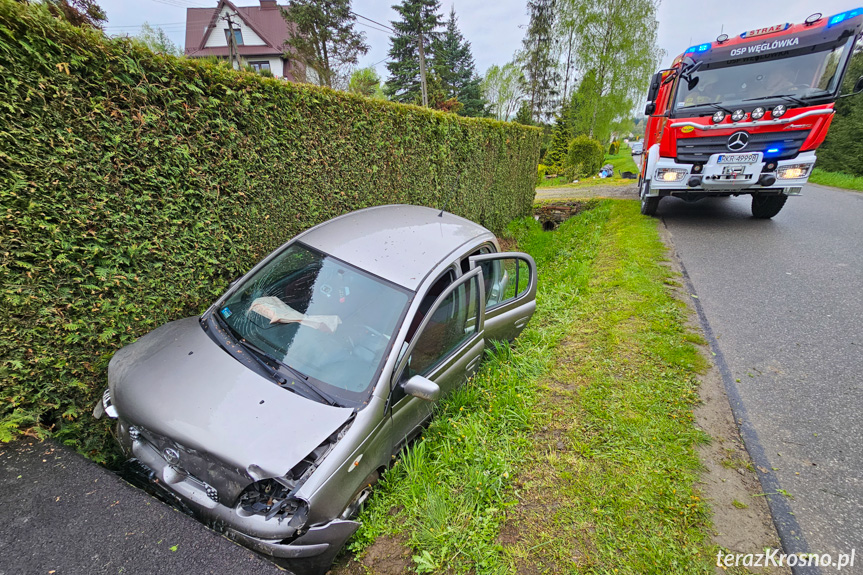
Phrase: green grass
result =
(837, 180)
(574, 449)
(622, 162)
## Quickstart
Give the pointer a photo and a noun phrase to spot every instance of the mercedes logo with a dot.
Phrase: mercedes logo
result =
(738, 141)
(172, 456)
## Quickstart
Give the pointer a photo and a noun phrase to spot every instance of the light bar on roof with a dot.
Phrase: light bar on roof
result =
(842, 16)
(698, 49)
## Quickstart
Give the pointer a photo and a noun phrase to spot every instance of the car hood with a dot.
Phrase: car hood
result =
(175, 381)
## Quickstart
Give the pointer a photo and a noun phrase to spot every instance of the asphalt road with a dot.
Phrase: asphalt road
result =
(61, 514)
(783, 303)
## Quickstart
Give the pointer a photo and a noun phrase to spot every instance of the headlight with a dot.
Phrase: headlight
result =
(793, 171)
(738, 115)
(778, 111)
(718, 117)
(670, 174)
(757, 113)
(270, 498)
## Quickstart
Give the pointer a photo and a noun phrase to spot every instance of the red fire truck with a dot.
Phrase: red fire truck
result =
(744, 115)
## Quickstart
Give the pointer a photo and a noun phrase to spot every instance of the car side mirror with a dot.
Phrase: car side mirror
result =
(649, 109)
(858, 85)
(419, 386)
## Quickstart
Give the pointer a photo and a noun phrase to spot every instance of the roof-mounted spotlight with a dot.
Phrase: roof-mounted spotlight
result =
(722, 38)
(813, 19)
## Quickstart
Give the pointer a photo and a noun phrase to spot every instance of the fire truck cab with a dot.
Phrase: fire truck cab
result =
(744, 115)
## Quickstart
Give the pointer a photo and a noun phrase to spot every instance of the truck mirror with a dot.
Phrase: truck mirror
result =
(692, 83)
(649, 109)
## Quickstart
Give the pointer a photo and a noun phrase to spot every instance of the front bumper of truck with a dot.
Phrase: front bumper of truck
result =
(762, 176)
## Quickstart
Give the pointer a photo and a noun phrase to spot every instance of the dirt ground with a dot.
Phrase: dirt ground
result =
(615, 191)
(741, 518)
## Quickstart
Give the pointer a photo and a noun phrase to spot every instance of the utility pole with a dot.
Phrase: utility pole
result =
(232, 40)
(423, 70)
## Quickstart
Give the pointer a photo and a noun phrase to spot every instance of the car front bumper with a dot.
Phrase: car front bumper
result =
(317, 545)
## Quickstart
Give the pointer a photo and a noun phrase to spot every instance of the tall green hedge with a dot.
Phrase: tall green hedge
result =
(134, 187)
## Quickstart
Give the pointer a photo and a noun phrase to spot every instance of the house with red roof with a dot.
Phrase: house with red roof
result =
(260, 33)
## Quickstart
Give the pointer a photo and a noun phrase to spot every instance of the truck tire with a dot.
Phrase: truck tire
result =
(648, 204)
(765, 207)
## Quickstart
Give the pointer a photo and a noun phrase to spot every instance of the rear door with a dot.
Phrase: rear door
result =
(510, 292)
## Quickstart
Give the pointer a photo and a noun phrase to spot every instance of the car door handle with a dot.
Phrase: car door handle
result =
(521, 322)
(471, 367)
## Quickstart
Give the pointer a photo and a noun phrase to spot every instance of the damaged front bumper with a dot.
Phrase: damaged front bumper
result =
(315, 546)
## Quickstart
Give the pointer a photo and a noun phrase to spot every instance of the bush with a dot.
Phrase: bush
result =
(584, 157)
(135, 186)
(540, 175)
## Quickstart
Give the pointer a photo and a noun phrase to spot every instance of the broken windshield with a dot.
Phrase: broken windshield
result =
(320, 316)
(732, 82)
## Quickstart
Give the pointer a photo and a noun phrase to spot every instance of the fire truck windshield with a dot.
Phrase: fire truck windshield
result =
(798, 76)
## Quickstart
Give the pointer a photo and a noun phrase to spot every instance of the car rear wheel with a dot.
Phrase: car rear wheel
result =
(765, 207)
(648, 204)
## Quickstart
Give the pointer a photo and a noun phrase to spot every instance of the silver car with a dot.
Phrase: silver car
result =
(270, 416)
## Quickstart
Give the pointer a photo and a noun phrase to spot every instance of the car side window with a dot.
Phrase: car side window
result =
(505, 279)
(453, 322)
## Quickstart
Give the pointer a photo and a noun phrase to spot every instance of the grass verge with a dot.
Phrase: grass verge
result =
(572, 450)
(837, 180)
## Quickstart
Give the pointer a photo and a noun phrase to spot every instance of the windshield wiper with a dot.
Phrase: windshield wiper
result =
(786, 97)
(263, 359)
(298, 375)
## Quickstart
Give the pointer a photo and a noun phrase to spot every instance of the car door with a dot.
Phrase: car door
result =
(509, 281)
(446, 349)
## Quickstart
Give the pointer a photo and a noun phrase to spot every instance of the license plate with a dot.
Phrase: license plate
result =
(737, 159)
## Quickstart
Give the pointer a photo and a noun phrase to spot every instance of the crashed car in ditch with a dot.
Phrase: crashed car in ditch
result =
(270, 416)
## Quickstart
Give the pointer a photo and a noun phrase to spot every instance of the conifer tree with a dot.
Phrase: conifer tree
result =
(455, 68)
(419, 18)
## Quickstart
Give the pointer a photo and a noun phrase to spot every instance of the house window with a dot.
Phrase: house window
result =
(238, 37)
(258, 66)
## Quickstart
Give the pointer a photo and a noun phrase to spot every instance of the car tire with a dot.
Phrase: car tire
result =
(648, 204)
(765, 207)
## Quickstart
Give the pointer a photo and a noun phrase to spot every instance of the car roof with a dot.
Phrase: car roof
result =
(399, 243)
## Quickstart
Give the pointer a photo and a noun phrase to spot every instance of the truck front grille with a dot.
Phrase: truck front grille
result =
(691, 150)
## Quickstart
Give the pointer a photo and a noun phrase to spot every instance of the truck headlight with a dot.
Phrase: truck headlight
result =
(793, 171)
(670, 174)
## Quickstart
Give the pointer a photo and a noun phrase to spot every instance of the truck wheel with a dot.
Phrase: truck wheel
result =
(765, 207)
(648, 204)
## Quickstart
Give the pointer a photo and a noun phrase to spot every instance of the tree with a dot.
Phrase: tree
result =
(77, 12)
(455, 68)
(617, 52)
(325, 40)
(502, 87)
(420, 19)
(157, 41)
(561, 135)
(537, 59)
(842, 149)
(366, 82)
(524, 115)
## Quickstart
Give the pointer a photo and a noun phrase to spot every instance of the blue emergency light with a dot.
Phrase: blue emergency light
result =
(841, 17)
(698, 49)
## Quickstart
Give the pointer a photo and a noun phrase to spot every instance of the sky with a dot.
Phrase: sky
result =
(495, 28)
